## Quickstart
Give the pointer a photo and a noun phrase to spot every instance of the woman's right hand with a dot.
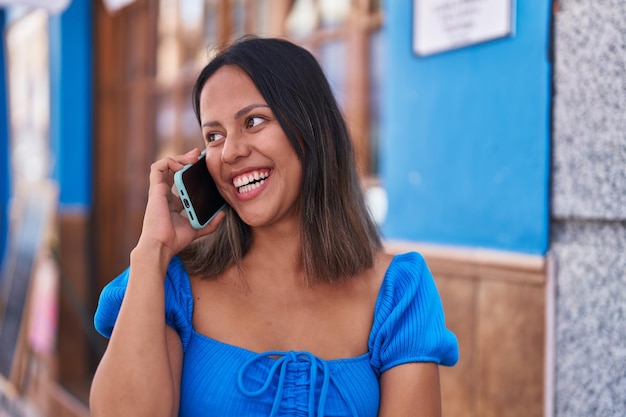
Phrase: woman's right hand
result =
(165, 225)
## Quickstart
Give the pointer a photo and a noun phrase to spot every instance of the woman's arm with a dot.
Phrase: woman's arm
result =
(411, 390)
(139, 374)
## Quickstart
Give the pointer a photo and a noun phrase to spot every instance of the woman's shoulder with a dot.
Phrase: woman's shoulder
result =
(408, 258)
(403, 265)
(406, 273)
(409, 324)
(178, 300)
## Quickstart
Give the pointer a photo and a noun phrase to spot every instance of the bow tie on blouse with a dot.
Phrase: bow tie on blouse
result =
(280, 365)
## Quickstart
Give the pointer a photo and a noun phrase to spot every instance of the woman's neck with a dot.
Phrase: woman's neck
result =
(275, 252)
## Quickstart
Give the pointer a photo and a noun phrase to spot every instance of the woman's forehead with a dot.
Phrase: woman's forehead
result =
(229, 88)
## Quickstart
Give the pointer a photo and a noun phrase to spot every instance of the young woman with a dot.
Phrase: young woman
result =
(285, 304)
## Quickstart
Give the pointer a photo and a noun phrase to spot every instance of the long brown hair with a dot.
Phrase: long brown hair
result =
(338, 236)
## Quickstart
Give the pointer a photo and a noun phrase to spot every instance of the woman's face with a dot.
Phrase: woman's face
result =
(248, 154)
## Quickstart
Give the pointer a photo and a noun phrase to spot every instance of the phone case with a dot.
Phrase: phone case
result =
(214, 207)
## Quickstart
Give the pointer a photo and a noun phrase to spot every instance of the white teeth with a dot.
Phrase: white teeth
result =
(245, 180)
(249, 187)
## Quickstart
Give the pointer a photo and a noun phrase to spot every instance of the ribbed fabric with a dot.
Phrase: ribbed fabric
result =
(409, 323)
(224, 380)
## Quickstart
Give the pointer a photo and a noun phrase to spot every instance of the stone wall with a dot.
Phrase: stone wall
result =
(588, 229)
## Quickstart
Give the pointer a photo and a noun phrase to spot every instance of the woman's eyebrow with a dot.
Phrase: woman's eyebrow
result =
(211, 124)
(239, 114)
(247, 109)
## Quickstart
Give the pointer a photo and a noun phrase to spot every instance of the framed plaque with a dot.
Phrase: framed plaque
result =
(443, 25)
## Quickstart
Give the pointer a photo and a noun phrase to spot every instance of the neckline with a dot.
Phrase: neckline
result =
(247, 353)
(242, 350)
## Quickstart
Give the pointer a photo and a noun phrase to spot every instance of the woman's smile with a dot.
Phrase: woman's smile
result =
(250, 181)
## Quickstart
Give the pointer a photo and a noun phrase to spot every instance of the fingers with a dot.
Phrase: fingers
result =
(163, 170)
(177, 162)
(165, 219)
(188, 158)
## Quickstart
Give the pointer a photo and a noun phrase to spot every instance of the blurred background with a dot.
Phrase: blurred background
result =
(490, 137)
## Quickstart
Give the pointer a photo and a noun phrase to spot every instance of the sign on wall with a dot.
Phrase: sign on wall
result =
(442, 25)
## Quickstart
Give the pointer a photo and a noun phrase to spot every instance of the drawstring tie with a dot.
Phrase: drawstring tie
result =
(281, 363)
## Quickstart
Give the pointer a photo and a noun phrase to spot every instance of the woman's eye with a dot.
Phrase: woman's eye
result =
(254, 121)
(214, 136)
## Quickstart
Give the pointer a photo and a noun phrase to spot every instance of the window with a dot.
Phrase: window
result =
(344, 35)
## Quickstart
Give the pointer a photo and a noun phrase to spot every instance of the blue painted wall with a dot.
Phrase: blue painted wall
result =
(4, 143)
(71, 75)
(465, 136)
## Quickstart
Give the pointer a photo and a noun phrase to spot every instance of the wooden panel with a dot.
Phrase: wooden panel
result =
(478, 263)
(72, 347)
(458, 298)
(108, 207)
(124, 131)
(510, 349)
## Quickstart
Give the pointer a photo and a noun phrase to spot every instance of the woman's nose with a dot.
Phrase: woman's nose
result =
(235, 147)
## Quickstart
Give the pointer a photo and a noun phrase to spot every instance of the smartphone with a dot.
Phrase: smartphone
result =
(198, 192)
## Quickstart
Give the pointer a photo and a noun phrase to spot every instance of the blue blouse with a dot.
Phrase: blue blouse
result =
(219, 379)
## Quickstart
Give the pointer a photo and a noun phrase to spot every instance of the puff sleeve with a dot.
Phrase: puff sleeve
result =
(178, 302)
(409, 324)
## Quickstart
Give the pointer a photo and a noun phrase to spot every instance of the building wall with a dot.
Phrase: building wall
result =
(465, 146)
(589, 208)
(465, 137)
(465, 159)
